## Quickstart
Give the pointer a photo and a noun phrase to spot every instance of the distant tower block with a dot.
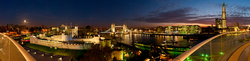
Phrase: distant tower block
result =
(124, 27)
(222, 23)
(223, 17)
(113, 27)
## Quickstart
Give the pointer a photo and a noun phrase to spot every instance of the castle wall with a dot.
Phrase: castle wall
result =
(34, 40)
(94, 40)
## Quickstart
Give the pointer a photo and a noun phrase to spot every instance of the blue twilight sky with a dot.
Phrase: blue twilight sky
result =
(135, 13)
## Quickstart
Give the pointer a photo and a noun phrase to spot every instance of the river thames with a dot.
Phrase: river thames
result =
(177, 41)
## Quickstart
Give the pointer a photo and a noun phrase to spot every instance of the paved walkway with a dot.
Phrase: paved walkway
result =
(42, 56)
(241, 54)
(2, 58)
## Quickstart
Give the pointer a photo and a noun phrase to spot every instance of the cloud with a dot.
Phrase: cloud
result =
(189, 15)
(169, 16)
(238, 13)
(123, 20)
(181, 15)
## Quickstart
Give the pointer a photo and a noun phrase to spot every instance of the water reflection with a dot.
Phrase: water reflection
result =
(154, 39)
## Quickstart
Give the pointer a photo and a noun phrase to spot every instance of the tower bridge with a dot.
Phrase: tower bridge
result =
(113, 27)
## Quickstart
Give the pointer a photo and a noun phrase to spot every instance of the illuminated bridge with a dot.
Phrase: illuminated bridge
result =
(229, 46)
(113, 29)
(10, 50)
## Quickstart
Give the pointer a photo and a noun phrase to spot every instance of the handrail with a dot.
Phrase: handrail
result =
(184, 55)
(25, 54)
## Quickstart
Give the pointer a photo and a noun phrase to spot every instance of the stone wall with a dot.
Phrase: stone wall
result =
(64, 37)
(95, 40)
(61, 37)
(34, 40)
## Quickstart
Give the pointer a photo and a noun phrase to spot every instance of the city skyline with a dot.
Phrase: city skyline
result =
(149, 13)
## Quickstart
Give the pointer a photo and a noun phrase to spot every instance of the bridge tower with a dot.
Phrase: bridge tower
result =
(113, 27)
(124, 27)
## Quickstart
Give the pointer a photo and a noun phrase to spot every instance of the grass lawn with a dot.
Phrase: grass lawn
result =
(58, 51)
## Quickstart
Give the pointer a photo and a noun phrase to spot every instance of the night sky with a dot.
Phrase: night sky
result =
(135, 13)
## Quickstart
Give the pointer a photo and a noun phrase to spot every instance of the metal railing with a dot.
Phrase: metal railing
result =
(10, 50)
(215, 47)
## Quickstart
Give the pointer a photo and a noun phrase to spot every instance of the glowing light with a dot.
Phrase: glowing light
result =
(205, 58)
(147, 59)
(221, 53)
(24, 21)
(60, 58)
(202, 54)
(206, 55)
(188, 57)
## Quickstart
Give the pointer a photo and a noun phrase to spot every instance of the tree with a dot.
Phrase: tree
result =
(31, 29)
(89, 28)
(97, 54)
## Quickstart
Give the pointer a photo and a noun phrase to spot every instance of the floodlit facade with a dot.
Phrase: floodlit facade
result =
(66, 29)
(168, 29)
(183, 29)
(66, 33)
(113, 28)
(58, 44)
(189, 29)
(159, 29)
(62, 37)
(236, 26)
(222, 23)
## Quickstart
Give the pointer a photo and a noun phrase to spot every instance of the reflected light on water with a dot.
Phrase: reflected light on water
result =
(153, 39)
